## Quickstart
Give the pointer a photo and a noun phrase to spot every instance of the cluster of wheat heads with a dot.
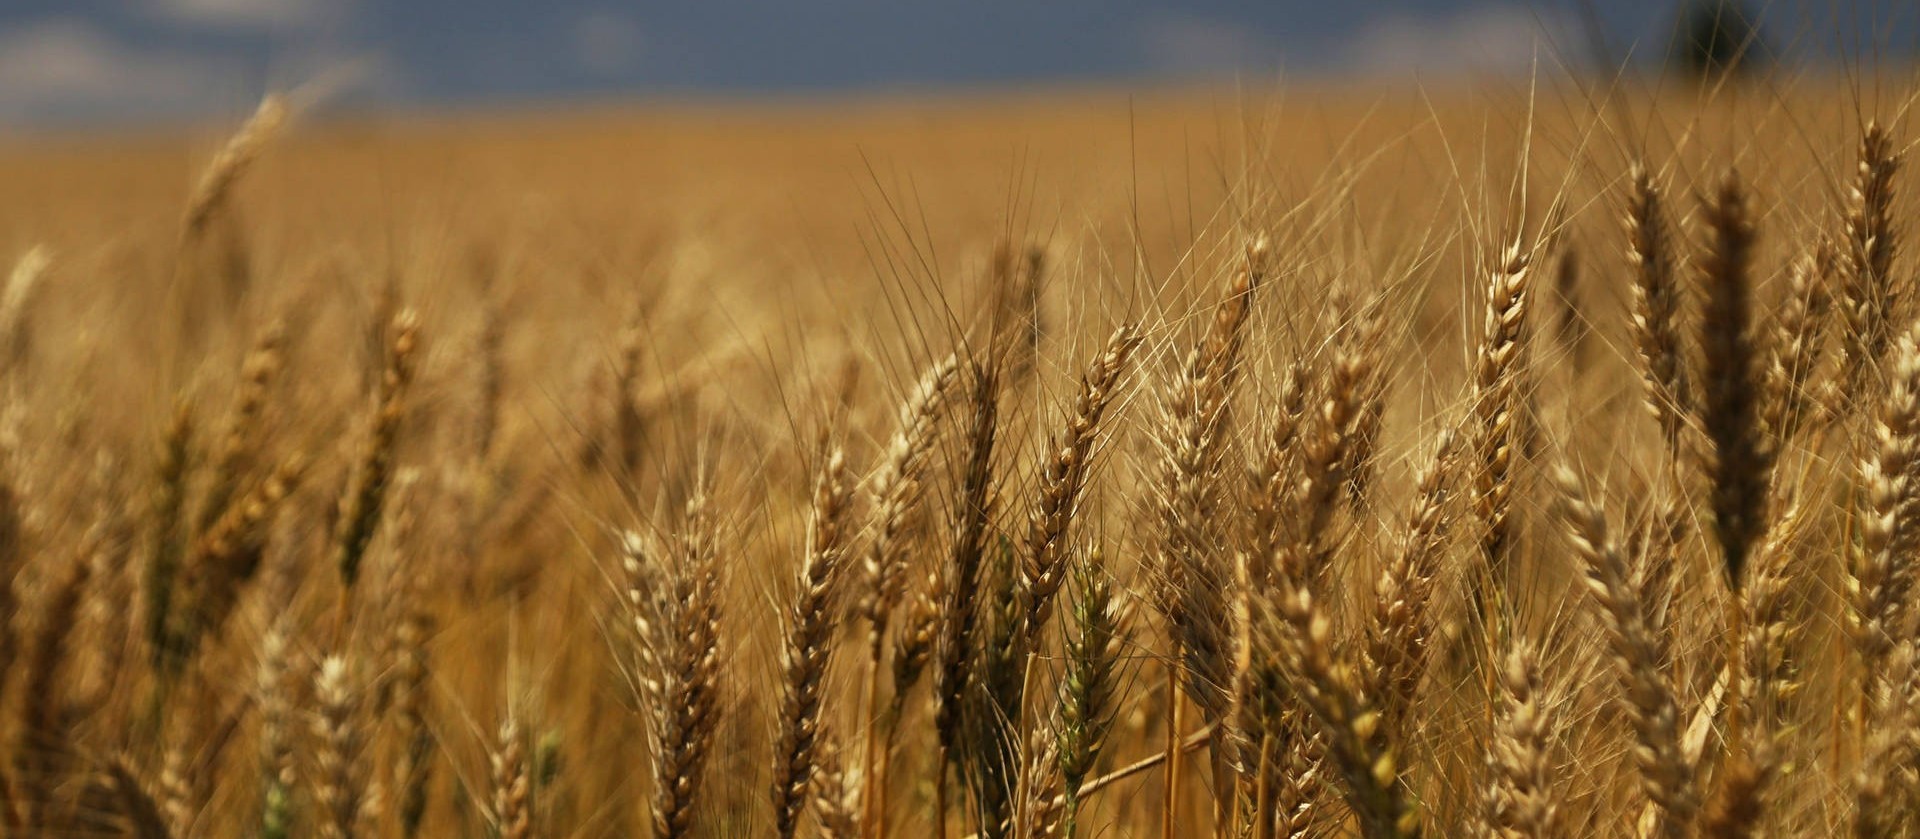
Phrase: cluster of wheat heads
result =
(1176, 578)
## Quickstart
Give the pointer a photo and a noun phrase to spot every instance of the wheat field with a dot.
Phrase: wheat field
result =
(1519, 459)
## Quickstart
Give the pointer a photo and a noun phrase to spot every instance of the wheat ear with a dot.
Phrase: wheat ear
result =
(1193, 437)
(1882, 574)
(512, 785)
(1520, 801)
(1400, 627)
(1870, 297)
(225, 169)
(165, 538)
(1741, 461)
(258, 371)
(1889, 745)
(1090, 684)
(899, 492)
(1192, 585)
(1658, 310)
(276, 745)
(1358, 743)
(143, 814)
(360, 508)
(836, 792)
(959, 584)
(1799, 343)
(16, 307)
(809, 637)
(337, 784)
(46, 732)
(1639, 651)
(682, 639)
(1498, 404)
(1063, 477)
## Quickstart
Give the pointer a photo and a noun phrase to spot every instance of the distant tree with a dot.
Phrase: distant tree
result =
(1718, 38)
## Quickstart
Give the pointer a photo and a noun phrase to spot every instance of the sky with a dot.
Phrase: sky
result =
(90, 61)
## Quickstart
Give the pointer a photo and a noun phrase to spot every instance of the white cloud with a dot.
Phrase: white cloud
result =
(607, 43)
(65, 68)
(1498, 39)
(249, 14)
(1186, 46)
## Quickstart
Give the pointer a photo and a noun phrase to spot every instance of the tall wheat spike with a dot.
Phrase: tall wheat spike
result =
(276, 746)
(360, 508)
(1872, 300)
(1091, 682)
(1401, 626)
(1498, 401)
(899, 493)
(46, 733)
(958, 607)
(338, 788)
(1639, 650)
(1192, 579)
(1358, 743)
(1521, 801)
(1795, 387)
(809, 642)
(1741, 460)
(1881, 579)
(512, 788)
(680, 627)
(1063, 477)
(216, 183)
(24, 287)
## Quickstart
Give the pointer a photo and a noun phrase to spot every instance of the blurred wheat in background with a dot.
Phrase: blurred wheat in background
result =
(1533, 459)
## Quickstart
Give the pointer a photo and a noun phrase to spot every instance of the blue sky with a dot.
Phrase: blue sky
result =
(119, 60)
